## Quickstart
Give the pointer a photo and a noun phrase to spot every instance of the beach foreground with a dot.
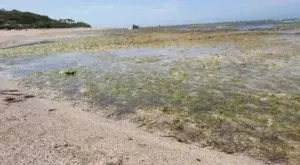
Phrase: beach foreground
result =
(38, 130)
(149, 96)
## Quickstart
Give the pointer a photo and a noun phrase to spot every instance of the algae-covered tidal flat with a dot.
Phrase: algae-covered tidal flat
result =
(233, 91)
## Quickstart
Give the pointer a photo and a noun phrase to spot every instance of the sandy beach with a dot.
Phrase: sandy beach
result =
(38, 130)
(17, 37)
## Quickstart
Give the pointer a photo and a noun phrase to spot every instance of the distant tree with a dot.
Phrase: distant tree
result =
(15, 19)
(70, 21)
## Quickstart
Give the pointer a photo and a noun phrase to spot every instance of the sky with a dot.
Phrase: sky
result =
(124, 13)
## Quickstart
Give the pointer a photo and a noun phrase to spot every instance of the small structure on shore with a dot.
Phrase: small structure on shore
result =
(135, 26)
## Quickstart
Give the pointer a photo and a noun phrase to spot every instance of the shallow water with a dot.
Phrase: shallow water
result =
(109, 71)
(24, 65)
(169, 53)
(132, 77)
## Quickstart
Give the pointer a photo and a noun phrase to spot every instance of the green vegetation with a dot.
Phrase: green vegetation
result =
(232, 115)
(69, 72)
(145, 38)
(15, 19)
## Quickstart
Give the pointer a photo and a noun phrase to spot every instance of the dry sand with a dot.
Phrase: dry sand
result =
(10, 35)
(18, 37)
(36, 130)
